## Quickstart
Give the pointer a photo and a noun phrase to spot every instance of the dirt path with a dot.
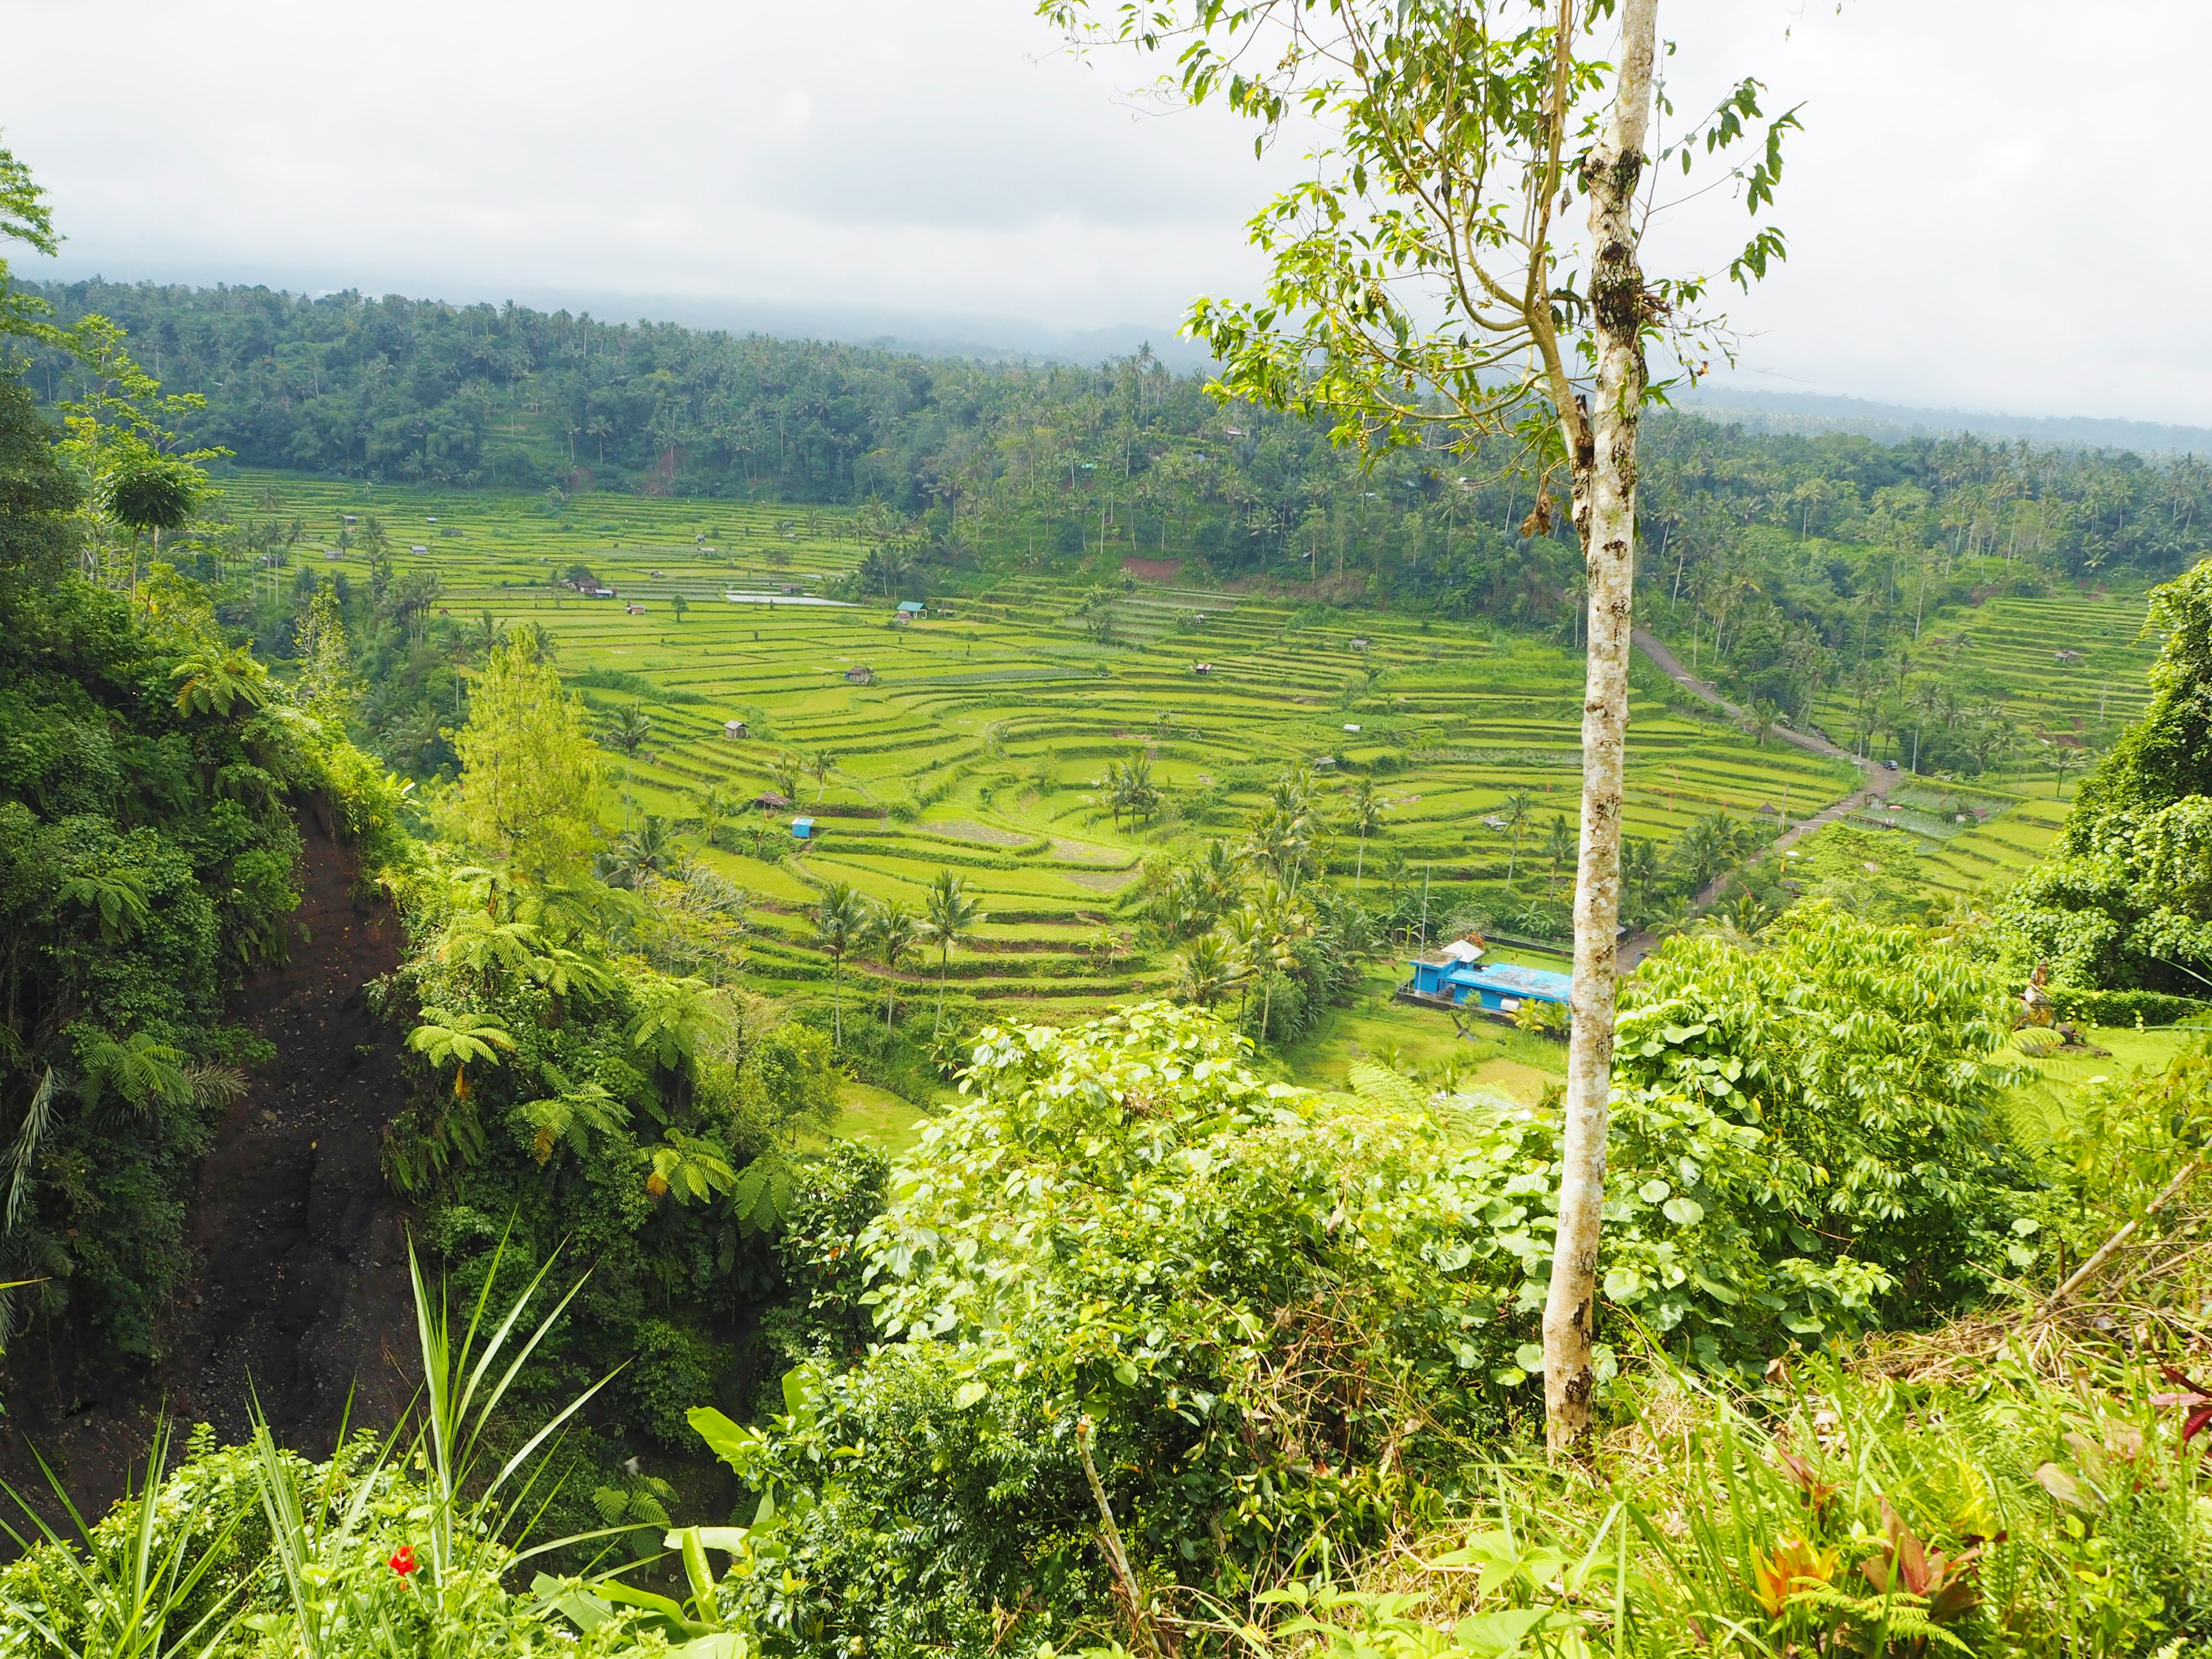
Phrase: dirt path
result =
(1637, 946)
(298, 1277)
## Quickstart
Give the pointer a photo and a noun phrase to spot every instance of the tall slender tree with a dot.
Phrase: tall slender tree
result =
(1424, 281)
(950, 917)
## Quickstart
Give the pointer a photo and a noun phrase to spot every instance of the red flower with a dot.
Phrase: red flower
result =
(2192, 1395)
(403, 1561)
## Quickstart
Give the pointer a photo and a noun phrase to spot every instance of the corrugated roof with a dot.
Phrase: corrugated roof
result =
(1516, 981)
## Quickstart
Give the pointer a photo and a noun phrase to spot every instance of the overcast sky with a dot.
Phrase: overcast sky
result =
(1994, 206)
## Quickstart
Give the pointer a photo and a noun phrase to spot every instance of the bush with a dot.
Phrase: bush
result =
(2088, 1007)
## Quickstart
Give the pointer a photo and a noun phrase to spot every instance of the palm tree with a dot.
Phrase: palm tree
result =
(786, 771)
(950, 916)
(892, 931)
(1267, 932)
(1559, 844)
(1363, 816)
(629, 730)
(714, 808)
(838, 918)
(1518, 805)
(824, 763)
(1209, 971)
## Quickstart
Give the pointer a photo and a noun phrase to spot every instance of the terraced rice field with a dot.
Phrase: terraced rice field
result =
(975, 736)
(2073, 666)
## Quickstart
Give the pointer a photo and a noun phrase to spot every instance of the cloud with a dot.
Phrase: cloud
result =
(1978, 215)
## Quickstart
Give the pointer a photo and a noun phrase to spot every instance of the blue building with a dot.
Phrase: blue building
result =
(1499, 987)
(803, 828)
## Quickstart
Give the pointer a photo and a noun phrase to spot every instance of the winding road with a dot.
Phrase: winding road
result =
(1637, 946)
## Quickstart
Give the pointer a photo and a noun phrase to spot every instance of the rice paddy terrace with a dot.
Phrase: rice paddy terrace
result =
(971, 739)
(2070, 671)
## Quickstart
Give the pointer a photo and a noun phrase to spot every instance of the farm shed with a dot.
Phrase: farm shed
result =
(735, 729)
(912, 608)
(768, 801)
(803, 828)
(634, 610)
(863, 674)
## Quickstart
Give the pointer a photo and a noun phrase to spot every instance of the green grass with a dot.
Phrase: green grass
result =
(877, 1116)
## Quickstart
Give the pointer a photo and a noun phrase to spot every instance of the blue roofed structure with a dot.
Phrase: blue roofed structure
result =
(1497, 987)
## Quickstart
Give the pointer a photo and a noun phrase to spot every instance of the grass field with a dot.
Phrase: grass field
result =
(975, 742)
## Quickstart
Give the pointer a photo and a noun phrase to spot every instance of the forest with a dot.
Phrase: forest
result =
(790, 1036)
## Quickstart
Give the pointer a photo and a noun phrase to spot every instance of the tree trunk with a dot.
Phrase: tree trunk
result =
(1604, 516)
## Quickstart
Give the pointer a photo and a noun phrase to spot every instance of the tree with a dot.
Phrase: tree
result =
(787, 769)
(460, 1039)
(892, 931)
(822, 762)
(628, 730)
(839, 916)
(1208, 970)
(528, 772)
(1362, 816)
(950, 917)
(1518, 805)
(1419, 284)
(678, 605)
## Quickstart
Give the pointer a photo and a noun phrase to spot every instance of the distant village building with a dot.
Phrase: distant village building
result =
(734, 729)
(634, 610)
(861, 675)
(1201, 668)
(912, 608)
(418, 547)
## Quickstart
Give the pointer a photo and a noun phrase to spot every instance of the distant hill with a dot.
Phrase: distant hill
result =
(1890, 423)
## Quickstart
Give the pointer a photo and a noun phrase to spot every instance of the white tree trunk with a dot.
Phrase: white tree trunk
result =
(1604, 469)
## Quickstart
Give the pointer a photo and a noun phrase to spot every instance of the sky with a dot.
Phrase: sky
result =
(1992, 207)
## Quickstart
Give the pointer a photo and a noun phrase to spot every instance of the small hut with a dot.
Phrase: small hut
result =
(735, 730)
(861, 675)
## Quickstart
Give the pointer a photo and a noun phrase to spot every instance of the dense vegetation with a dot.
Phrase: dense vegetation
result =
(1140, 1348)
(1801, 570)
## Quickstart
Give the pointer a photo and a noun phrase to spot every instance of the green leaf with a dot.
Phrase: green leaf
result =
(969, 1394)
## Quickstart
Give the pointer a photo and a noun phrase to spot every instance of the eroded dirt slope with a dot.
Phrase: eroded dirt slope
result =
(298, 1285)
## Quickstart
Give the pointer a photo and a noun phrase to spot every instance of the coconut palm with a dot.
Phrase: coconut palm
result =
(950, 917)
(822, 762)
(1266, 933)
(1362, 816)
(714, 808)
(462, 1038)
(892, 932)
(786, 770)
(1559, 845)
(629, 730)
(839, 916)
(1519, 804)
(1209, 971)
